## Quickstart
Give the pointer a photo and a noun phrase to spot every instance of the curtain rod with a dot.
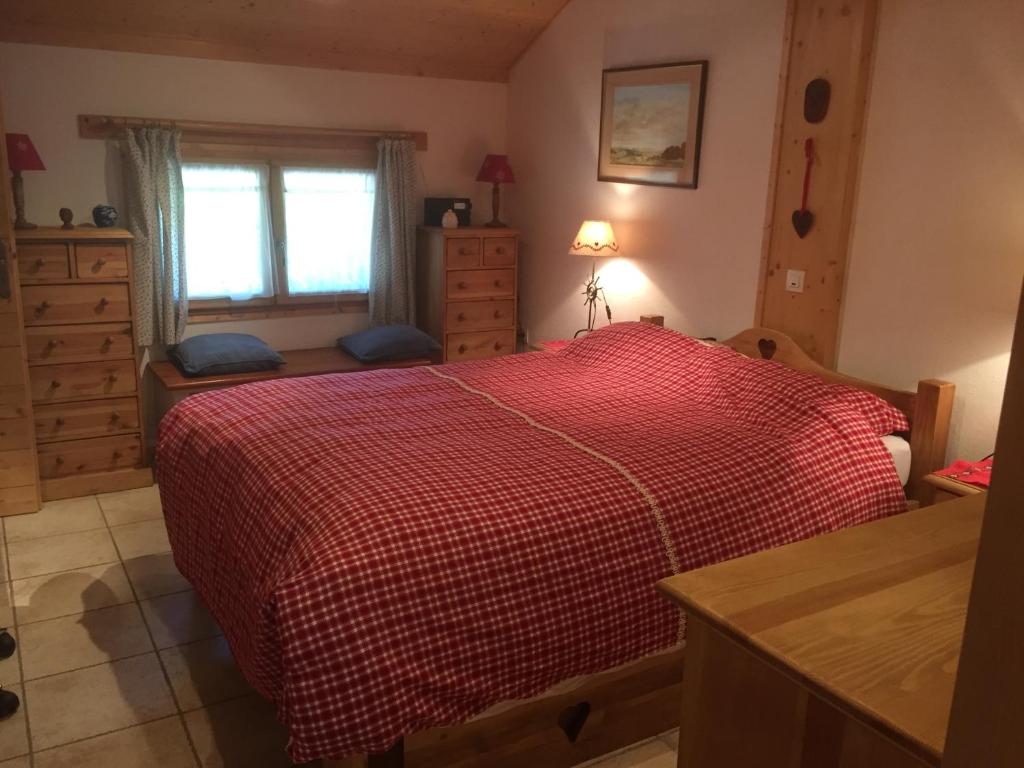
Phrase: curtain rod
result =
(210, 132)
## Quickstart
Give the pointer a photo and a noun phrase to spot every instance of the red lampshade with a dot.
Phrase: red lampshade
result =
(21, 154)
(496, 170)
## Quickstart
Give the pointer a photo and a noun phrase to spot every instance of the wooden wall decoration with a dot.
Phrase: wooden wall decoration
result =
(823, 90)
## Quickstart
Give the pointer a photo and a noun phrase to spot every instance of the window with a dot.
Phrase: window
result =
(263, 233)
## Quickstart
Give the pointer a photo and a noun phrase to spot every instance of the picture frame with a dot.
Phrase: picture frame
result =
(652, 121)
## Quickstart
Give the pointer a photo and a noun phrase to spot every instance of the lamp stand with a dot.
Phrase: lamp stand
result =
(593, 293)
(495, 205)
(18, 193)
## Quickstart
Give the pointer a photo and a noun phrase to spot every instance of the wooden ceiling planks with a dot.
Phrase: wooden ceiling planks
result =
(462, 39)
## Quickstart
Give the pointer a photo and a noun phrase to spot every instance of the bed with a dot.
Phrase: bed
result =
(391, 554)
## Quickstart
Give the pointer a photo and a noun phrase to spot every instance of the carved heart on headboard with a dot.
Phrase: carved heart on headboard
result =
(767, 348)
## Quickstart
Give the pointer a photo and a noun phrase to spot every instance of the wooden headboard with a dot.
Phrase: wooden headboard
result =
(928, 409)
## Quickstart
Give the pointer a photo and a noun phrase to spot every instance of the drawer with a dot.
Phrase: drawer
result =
(99, 454)
(477, 346)
(68, 343)
(479, 315)
(15, 434)
(461, 252)
(56, 304)
(97, 262)
(93, 418)
(81, 380)
(480, 283)
(42, 261)
(499, 251)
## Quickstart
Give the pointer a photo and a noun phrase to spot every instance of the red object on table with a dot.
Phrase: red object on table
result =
(970, 472)
(553, 346)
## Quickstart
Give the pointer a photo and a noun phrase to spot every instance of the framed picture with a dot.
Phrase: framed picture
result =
(651, 120)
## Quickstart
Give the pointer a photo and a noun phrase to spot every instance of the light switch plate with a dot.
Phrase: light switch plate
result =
(795, 280)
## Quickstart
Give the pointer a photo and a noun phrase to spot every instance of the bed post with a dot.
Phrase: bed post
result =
(929, 433)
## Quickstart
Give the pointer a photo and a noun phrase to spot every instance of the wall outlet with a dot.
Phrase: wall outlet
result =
(795, 280)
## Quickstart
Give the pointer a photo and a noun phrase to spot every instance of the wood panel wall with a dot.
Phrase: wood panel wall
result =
(988, 705)
(19, 473)
(833, 39)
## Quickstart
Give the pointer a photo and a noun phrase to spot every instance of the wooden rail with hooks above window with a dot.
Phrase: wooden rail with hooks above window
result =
(210, 132)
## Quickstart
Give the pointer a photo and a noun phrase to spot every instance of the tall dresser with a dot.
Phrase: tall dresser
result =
(467, 290)
(83, 373)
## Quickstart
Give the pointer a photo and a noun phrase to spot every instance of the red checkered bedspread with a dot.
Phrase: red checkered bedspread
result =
(400, 549)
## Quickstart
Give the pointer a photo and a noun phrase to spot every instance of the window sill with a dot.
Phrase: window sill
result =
(357, 303)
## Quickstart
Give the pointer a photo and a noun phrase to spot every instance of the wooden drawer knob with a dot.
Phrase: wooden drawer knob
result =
(98, 264)
(462, 285)
(497, 346)
(108, 341)
(43, 306)
(463, 251)
(499, 250)
(59, 460)
(117, 455)
(104, 302)
(461, 317)
(462, 349)
(497, 283)
(55, 384)
(497, 314)
(40, 263)
(59, 421)
(112, 378)
(115, 417)
(52, 343)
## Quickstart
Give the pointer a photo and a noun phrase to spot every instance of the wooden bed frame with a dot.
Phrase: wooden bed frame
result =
(620, 707)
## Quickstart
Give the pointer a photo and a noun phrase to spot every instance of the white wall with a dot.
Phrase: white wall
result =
(938, 249)
(693, 255)
(45, 88)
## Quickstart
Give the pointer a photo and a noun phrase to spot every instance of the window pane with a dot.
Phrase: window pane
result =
(328, 220)
(227, 231)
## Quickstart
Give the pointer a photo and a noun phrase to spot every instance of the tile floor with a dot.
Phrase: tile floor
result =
(117, 656)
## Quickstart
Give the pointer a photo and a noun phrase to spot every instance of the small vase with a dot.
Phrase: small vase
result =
(449, 220)
(104, 215)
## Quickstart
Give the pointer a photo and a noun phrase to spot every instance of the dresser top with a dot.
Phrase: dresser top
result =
(870, 618)
(473, 231)
(78, 233)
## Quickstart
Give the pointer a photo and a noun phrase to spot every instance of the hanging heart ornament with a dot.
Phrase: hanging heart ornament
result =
(803, 219)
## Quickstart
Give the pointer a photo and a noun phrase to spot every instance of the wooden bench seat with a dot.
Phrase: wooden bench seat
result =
(297, 362)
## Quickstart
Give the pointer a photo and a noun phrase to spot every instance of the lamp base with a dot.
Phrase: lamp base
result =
(496, 223)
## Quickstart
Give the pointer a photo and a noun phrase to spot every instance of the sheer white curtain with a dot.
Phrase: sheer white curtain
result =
(328, 217)
(227, 232)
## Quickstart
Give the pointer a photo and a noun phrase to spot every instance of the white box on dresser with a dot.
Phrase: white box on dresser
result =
(467, 290)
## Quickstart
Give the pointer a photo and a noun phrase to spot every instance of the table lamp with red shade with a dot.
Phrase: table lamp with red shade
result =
(21, 156)
(496, 170)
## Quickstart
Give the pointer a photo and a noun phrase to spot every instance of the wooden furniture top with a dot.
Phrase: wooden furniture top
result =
(870, 618)
(480, 231)
(297, 362)
(950, 485)
(78, 233)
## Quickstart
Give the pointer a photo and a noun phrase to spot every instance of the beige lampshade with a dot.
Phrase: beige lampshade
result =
(595, 238)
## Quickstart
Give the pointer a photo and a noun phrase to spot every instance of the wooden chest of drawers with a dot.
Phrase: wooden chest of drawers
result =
(76, 295)
(467, 290)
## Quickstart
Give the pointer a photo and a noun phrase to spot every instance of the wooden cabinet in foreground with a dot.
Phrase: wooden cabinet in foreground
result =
(76, 292)
(467, 289)
(836, 652)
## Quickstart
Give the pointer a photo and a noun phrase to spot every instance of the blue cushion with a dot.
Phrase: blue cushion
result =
(218, 353)
(388, 342)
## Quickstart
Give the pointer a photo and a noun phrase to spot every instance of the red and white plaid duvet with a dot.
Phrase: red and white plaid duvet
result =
(401, 549)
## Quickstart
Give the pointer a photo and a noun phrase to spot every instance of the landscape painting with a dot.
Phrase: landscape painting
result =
(651, 120)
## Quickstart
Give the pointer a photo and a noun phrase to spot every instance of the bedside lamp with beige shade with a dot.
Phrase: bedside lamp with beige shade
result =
(21, 156)
(597, 240)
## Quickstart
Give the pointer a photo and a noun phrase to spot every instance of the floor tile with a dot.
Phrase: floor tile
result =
(177, 619)
(203, 673)
(653, 753)
(56, 517)
(71, 642)
(89, 702)
(6, 604)
(63, 594)
(18, 762)
(4, 573)
(10, 668)
(161, 743)
(131, 506)
(60, 553)
(241, 732)
(138, 539)
(13, 734)
(155, 575)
